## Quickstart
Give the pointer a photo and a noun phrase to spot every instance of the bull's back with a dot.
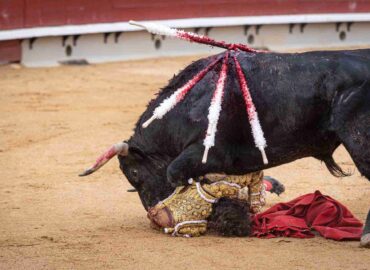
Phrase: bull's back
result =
(292, 94)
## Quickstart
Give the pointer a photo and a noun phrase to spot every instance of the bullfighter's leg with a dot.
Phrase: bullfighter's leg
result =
(351, 121)
(189, 161)
(365, 239)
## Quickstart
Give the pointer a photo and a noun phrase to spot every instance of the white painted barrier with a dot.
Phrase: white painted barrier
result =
(307, 34)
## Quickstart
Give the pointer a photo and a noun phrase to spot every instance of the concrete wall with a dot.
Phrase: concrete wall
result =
(39, 13)
(96, 48)
(27, 14)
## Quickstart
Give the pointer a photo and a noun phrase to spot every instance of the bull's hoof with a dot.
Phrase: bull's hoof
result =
(365, 241)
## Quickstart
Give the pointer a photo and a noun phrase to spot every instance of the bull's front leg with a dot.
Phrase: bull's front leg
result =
(189, 165)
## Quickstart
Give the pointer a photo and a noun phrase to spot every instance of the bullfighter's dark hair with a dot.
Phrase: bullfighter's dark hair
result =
(230, 217)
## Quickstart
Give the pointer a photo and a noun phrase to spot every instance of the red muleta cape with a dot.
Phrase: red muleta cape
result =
(300, 216)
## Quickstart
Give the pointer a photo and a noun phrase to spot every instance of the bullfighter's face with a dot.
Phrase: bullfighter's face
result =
(147, 175)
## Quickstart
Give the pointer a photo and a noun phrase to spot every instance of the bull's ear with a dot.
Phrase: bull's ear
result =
(136, 151)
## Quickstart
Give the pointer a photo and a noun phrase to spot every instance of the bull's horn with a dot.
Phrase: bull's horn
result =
(117, 149)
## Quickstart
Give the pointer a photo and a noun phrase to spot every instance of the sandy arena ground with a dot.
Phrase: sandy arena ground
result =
(54, 122)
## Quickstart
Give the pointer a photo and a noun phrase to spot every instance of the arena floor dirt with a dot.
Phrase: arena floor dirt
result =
(54, 122)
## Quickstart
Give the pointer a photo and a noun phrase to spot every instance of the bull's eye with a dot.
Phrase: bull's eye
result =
(134, 173)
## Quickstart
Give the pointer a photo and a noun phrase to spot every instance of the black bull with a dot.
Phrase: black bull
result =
(308, 104)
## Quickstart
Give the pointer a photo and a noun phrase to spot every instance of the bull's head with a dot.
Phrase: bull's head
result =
(146, 173)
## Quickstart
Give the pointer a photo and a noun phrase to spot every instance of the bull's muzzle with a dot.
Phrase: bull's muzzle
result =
(117, 149)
